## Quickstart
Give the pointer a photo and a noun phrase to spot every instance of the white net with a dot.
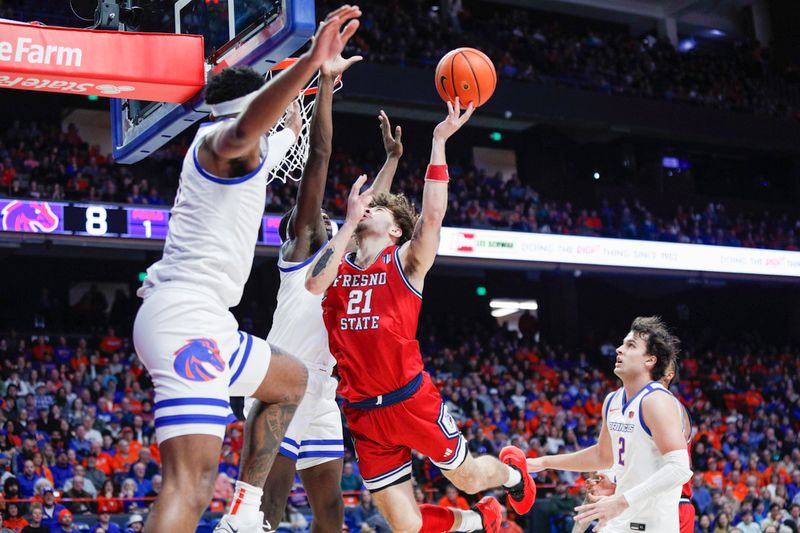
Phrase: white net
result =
(291, 167)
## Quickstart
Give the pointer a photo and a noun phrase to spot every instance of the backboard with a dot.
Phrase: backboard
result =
(257, 33)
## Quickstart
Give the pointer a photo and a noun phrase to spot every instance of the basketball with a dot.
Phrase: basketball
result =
(468, 74)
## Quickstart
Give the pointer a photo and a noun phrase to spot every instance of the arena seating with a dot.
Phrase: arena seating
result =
(81, 408)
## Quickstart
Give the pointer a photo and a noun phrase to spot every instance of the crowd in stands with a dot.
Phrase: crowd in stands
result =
(77, 440)
(531, 46)
(40, 161)
(536, 47)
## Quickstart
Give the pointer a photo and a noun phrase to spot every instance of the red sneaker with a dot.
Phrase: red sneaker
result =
(491, 514)
(522, 496)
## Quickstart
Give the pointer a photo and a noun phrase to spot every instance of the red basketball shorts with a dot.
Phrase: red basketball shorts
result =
(385, 435)
(686, 515)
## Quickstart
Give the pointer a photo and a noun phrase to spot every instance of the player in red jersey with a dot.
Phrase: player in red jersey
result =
(602, 486)
(371, 308)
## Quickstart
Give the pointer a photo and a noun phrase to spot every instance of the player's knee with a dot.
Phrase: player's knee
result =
(467, 482)
(293, 376)
(200, 491)
(331, 516)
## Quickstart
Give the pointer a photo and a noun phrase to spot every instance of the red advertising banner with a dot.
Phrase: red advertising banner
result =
(142, 66)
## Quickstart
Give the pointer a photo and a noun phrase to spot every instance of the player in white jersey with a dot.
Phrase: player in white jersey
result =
(605, 483)
(641, 437)
(184, 332)
(313, 444)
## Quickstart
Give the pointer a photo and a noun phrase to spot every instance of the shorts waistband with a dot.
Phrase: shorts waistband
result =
(390, 398)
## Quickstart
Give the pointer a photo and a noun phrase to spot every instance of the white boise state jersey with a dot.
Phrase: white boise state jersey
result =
(297, 325)
(213, 229)
(636, 458)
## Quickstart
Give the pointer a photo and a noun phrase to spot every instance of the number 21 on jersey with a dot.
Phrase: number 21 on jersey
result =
(359, 302)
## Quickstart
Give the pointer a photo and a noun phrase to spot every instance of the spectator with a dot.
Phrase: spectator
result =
(28, 479)
(50, 509)
(452, 498)
(107, 500)
(366, 513)
(88, 486)
(748, 524)
(350, 480)
(507, 525)
(4, 529)
(135, 524)
(13, 519)
(562, 507)
(35, 525)
(104, 522)
(64, 524)
(62, 470)
(775, 518)
(79, 497)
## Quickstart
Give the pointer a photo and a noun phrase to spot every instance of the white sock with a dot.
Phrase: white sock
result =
(246, 501)
(514, 477)
(470, 520)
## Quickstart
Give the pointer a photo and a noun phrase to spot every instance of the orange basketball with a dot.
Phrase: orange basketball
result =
(467, 73)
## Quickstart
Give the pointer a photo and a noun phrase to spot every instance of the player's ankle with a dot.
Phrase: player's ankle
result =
(246, 502)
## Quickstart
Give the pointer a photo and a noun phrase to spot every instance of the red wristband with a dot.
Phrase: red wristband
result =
(437, 173)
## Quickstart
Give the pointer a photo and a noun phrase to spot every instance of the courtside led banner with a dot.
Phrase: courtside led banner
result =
(142, 66)
(575, 250)
(114, 221)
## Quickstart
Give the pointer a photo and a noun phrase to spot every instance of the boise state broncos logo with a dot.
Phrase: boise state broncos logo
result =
(31, 217)
(198, 360)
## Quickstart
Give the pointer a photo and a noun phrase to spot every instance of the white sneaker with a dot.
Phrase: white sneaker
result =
(233, 524)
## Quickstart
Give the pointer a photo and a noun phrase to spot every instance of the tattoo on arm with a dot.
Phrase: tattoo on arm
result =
(323, 262)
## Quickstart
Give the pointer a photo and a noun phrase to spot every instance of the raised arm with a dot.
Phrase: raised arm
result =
(306, 230)
(240, 136)
(394, 151)
(418, 254)
(326, 264)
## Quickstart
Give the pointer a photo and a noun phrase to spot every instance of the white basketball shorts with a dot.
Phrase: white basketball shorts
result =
(314, 435)
(197, 358)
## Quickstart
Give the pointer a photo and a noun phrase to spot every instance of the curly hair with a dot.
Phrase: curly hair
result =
(403, 212)
(660, 343)
(232, 83)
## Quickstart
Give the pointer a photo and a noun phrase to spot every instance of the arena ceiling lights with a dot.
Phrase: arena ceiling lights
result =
(507, 306)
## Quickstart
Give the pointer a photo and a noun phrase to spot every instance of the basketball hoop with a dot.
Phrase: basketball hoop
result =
(293, 163)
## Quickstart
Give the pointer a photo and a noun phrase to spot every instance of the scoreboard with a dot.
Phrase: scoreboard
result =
(102, 220)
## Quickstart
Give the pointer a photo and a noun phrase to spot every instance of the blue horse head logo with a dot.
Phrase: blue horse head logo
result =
(199, 360)
(31, 217)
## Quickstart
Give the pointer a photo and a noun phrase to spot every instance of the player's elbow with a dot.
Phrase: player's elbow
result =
(433, 216)
(314, 286)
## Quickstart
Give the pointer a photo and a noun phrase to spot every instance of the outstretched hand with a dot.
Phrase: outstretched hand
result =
(335, 66)
(333, 33)
(446, 128)
(392, 145)
(599, 486)
(358, 202)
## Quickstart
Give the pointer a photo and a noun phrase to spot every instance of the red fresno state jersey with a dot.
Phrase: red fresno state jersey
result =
(371, 315)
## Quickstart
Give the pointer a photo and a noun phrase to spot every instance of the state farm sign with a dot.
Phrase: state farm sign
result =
(24, 50)
(145, 66)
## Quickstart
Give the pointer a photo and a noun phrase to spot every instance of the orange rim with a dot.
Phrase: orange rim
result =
(288, 62)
